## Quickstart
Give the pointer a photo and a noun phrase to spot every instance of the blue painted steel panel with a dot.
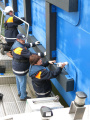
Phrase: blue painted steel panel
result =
(2, 1)
(73, 45)
(7, 4)
(10, 3)
(54, 54)
(72, 17)
(20, 8)
(40, 2)
(38, 21)
(85, 15)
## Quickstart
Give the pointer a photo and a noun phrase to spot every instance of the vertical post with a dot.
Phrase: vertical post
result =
(27, 13)
(6, 3)
(14, 4)
(1, 23)
(50, 32)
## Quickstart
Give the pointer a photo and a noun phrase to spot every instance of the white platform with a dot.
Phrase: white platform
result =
(36, 103)
(58, 114)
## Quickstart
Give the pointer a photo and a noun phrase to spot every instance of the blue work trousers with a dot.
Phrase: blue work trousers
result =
(21, 86)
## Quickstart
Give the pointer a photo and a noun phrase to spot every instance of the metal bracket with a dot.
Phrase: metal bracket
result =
(50, 31)
(79, 111)
(67, 5)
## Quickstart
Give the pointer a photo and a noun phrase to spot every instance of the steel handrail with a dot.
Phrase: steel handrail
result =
(26, 24)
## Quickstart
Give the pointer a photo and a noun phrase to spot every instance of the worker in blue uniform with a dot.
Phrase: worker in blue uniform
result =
(41, 76)
(20, 63)
(11, 24)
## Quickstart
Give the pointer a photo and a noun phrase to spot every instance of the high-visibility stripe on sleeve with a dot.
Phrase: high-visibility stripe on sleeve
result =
(18, 50)
(38, 75)
(10, 20)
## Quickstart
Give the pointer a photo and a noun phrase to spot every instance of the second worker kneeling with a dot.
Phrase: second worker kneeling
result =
(41, 75)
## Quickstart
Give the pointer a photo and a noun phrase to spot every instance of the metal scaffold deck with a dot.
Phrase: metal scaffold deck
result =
(11, 103)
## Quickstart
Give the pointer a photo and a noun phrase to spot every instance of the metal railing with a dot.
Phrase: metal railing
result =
(26, 24)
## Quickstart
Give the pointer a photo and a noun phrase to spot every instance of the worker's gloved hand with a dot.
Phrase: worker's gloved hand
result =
(23, 18)
(34, 44)
(37, 42)
(42, 54)
(62, 64)
(52, 62)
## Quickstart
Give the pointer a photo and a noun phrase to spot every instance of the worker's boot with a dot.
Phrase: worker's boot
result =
(4, 48)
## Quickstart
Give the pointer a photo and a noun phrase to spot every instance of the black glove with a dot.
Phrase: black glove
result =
(42, 54)
(23, 18)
